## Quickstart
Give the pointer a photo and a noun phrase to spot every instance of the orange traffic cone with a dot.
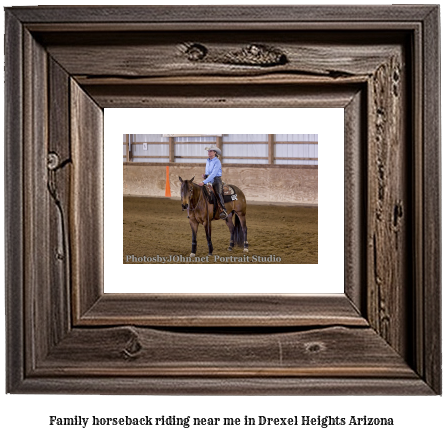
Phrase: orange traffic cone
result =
(168, 187)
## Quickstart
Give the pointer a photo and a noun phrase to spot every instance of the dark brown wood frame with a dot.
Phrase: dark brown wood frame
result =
(64, 65)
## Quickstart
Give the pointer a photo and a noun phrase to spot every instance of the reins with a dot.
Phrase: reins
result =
(198, 201)
(191, 190)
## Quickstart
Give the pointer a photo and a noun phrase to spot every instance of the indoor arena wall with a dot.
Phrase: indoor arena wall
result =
(294, 185)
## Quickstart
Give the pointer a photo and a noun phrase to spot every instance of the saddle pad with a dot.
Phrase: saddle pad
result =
(229, 198)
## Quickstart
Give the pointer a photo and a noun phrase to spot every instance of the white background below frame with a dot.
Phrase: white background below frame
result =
(325, 277)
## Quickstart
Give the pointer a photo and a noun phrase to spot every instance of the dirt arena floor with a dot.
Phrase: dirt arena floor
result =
(158, 227)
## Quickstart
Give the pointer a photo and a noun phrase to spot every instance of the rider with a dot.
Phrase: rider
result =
(213, 173)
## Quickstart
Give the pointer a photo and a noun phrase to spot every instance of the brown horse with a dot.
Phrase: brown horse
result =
(200, 211)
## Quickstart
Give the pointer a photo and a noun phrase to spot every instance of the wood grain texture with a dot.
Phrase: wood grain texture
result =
(59, 167)
(174, 385)
(228, 95)
(129, 351)
(107, 57)
(222, 14)
(384, 68)
(355, 193)
(251, 310)
(431, 316)
(14, 202)
(38, 304)
(275, 78)
(86, 200)
(388, 204)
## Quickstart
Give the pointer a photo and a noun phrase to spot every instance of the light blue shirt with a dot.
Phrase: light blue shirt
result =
(213, 169)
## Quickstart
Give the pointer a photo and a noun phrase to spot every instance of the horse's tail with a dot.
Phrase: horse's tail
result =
(239, 238)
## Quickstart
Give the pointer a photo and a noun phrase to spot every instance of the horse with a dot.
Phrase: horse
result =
(194, 199)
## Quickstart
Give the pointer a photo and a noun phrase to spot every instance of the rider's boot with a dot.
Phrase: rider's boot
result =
(224, 213)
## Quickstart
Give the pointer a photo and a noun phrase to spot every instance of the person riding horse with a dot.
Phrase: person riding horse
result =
(213, 174)
(196, 202)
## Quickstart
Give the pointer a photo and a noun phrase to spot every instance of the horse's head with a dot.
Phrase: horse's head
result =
(186, 192)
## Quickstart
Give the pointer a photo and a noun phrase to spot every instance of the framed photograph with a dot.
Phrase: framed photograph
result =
(287, 238)
(65, 65)
(265, 198)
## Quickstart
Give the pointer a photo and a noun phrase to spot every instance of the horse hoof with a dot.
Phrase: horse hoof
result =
(246, 250)
(192, 254)
(229, 249)
(209, 255)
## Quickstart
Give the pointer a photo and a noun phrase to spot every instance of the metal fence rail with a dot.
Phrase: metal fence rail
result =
(250, 149)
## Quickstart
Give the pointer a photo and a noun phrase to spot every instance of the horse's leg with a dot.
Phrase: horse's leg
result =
(231, 227)
(242, 218)
(208, 237)
(194, 228)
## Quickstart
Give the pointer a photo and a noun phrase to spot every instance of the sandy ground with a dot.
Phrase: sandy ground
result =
(156, 230)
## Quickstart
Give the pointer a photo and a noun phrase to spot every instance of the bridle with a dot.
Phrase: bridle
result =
(191, 194)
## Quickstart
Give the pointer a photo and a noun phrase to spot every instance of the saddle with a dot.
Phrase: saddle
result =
(229, 193)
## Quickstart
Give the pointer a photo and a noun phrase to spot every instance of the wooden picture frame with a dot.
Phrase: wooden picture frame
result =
(65, 64)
